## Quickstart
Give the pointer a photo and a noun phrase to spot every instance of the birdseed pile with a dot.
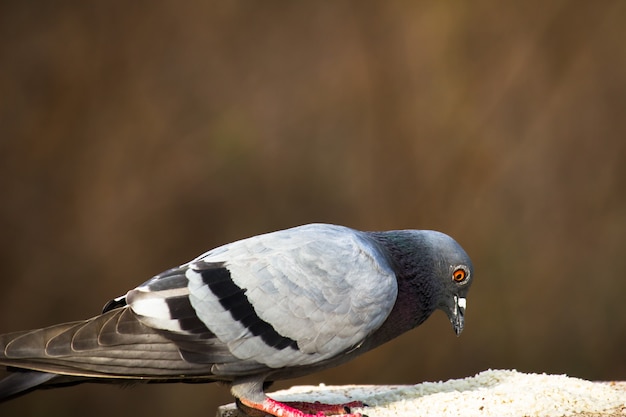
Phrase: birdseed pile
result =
(489, 393)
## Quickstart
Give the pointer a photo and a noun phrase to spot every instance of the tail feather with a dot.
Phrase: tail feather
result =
(22, 382)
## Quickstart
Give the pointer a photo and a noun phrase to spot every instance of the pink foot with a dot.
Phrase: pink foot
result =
(299, 408)
(326, 409)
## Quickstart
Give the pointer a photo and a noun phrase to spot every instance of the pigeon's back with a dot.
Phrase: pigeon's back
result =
(288, 298)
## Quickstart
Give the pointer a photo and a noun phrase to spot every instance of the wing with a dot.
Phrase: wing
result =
(288, 298)
(113, 345)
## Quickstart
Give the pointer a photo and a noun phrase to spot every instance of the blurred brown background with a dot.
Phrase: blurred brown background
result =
(136, 135)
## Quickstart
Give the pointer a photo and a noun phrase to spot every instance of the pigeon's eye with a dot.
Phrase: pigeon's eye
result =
(459, 275)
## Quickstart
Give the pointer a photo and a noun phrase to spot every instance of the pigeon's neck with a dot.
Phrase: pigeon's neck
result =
(409, 254)
(411, 258)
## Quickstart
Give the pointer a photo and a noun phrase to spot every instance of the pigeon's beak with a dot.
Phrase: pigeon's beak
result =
(457, 314)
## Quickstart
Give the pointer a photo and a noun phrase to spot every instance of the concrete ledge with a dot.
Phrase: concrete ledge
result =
(489, 393)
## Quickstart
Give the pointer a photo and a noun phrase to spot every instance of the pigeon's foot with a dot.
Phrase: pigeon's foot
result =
(326, 409)
(298, 408)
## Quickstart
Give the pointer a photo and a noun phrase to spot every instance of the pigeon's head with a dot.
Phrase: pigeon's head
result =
(454, 273)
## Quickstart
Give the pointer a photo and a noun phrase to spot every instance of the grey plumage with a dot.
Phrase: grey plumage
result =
(268, 307)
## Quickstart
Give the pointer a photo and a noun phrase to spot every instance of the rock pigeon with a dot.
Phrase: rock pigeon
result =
(265, 308)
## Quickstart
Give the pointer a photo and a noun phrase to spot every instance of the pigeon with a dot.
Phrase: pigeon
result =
(269, 307)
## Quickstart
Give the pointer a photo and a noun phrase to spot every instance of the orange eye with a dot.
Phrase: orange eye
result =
(459, 275)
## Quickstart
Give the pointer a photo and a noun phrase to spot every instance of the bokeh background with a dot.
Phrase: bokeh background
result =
(136, 135)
